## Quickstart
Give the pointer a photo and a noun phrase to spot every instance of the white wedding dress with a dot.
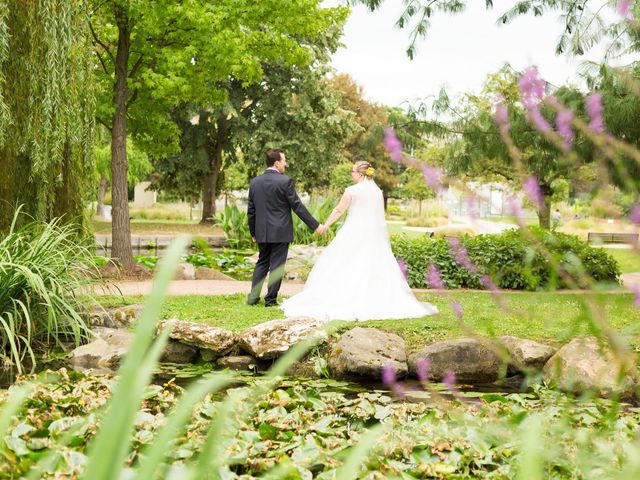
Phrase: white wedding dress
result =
(357, 277)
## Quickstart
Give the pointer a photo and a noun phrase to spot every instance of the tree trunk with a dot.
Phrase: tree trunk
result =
(544, 210)
(210, 180)
(102, 191)
(120, 226)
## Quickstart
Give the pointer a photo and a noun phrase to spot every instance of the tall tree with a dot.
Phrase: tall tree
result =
(477, 150)
(292, 107)
(46, 109)
(155, 54)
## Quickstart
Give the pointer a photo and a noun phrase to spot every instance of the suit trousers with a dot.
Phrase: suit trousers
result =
(271, 259)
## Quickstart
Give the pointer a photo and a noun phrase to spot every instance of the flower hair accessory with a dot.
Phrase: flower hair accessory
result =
(370, 172)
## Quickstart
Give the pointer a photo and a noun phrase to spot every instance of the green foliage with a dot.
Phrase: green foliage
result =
(509, 259)
(139, 164)
(46, 110)
(235, 225)
(147, 261)
(320, 211)
(341, 177)
(228, 262)
(43, 270)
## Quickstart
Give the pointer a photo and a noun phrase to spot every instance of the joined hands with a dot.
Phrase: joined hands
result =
(321, 229)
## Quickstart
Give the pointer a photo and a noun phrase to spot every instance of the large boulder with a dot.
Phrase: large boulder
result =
(363, 352)
(105, 352)
(206, 273)
(584, 364)
(526, 355)
(177, 352)
(271, 339)
(185, 271)
(235, 362)
(217, 341)
(117, 317)
(471, 360)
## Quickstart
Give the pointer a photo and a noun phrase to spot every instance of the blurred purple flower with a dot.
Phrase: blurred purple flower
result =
(388, 375)
(433, 278)
(501, 117)
(457, 309)
(422, 369)
(532, 189)
(636, 290)
(564, 119)
(461, 255)
(393, 145)
(432, 176)
(532, 89)
(634, 216)
(516, 207)
(489, 285)
(449, 379)
(403, 267)
(595, 111)
(624, 9)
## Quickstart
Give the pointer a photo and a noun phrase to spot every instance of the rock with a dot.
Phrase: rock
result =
(206, 273)
(217, 340)
(471, 360)
(526, 355)
(235, 362)
(185, 271)
(272, 339)
(118, 317)
(583, 364)
(106, 351)
(364, 351)
(177, 352)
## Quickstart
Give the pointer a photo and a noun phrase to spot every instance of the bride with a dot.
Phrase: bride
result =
(357, 277)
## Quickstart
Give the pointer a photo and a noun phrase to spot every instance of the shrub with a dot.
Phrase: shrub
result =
(453, 231)
(235, 225)
(43, 271)
(320, 211)
(509, 259)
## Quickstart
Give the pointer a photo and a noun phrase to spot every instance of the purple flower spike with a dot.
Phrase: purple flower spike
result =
(434, 279)
(624, 9)
(461, 255)
(531, 188)
(422, 369)
(564, 119)
(634, 216)
(531, 87)
(398, 390)
(403, 267)
(393, 145)
(516, 207)
(489, 285)
(449, 379)
(432, 177)
(388, 375)
(595, 111)
(457, 309)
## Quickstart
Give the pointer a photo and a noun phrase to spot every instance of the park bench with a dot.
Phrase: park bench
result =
(599, 238)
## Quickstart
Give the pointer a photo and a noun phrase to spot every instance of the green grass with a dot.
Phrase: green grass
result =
(396, 228)
(628, 259)
(549, 317)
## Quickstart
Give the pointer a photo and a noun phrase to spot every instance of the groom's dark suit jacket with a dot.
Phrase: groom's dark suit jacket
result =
(272, 196)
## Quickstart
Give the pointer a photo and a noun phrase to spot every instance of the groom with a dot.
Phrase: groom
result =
(272, 196)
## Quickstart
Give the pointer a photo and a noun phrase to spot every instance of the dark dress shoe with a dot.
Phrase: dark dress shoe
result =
(271, 304)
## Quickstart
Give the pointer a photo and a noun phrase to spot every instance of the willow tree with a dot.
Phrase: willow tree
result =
(46, 109)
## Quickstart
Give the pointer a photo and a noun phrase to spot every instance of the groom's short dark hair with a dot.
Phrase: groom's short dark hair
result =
(273, 155)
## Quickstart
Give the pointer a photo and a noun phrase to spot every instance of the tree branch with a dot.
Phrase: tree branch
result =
(104, 66)
(99, 42)
(105, 124)
(136, 66)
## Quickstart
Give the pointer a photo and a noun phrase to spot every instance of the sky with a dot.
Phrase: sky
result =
(458, 53)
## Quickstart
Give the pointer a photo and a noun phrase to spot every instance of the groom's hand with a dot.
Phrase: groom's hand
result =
(321, 229)
(254, 239)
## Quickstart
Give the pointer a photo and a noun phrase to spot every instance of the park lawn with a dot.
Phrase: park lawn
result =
(549, 317)
(161, 227)
(396, 229)
(627, 258)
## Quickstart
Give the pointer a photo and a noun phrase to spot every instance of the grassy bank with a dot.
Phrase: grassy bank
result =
(551, 317)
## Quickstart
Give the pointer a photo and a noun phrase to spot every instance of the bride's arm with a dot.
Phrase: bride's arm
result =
(337, 212)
